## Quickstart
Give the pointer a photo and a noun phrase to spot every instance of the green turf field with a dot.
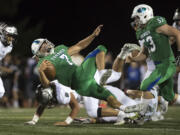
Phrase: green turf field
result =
(12, 123)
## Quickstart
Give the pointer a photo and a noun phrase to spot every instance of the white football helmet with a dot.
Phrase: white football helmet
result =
(6, 32)
(44, 95)
(142, 13)
(176, 16)
(36, 45)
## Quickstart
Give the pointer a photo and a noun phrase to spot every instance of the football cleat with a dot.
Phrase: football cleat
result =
(82, 120)
(128, 118)
(30, 123)
(164, 107)
(120, 118)
(105, 77)
(157, 116)
(135, 108)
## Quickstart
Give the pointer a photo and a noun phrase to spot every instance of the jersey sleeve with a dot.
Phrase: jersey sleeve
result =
(59, 47)
(158, 21)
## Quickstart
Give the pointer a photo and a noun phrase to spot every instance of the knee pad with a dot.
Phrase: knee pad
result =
(102, 48)
(99, 112)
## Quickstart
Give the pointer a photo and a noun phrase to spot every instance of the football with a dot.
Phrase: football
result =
(50, 72)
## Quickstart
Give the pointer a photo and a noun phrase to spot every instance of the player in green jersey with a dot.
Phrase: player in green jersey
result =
(153, 34)
(81, 78)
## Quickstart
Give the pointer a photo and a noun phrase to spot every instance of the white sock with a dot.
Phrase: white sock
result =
(122, 107)
(129, 115)
(178, 83)
(162, 100)
(109, 119)
(177, 100)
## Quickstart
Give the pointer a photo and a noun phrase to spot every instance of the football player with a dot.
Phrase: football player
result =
(56, 63)
(176, 24)
(152, 33)
(7, 38)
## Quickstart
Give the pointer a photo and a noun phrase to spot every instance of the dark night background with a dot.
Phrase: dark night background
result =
(68, 21)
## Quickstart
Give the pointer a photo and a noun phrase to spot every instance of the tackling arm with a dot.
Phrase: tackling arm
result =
(74, 111)
(43, 78)
(85, 42)
(170, 31)
(37, 115)
(74, 106)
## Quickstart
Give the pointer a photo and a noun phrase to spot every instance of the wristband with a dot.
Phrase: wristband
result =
(69, 120)
(35, 118)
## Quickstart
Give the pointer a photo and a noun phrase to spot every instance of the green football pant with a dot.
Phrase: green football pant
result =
(83, 79)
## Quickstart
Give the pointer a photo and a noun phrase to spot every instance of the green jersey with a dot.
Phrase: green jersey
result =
(63, 64)
(157, 44)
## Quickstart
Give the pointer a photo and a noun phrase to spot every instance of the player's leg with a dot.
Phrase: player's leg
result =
(114, 74)
(162, 73)
(94, 111)
(121, 97)
(178, 83)
(106, 114)
(84, 83)
(102, 93)
(117, 68)
(167, 92)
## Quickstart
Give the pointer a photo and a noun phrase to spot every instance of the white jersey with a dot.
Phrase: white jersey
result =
(4, 50)
(63, 95)
(150, 65)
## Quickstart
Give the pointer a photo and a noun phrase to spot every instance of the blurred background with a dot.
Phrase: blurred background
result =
(67, 22)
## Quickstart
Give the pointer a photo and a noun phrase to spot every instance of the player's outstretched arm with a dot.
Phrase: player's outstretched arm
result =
(170, 31)
(74, 111)
(85, 42)
(36, 116)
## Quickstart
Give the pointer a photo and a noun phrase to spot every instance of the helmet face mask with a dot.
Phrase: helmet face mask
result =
(142, 14)
(42, 47)
(176, 17)
(44, 95)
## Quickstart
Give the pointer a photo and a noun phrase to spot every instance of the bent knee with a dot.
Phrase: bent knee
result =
(102, 48)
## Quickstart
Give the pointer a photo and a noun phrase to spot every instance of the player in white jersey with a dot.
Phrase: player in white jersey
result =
(176, 24)
(7, 37)
(64, 95)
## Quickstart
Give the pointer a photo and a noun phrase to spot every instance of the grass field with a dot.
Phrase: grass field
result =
(12, 123)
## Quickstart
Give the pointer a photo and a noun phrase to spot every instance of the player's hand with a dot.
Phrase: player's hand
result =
(128, 59)
(97, 30)
(30, 123)
(43, 65)
(178, 59)
(61, 124)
